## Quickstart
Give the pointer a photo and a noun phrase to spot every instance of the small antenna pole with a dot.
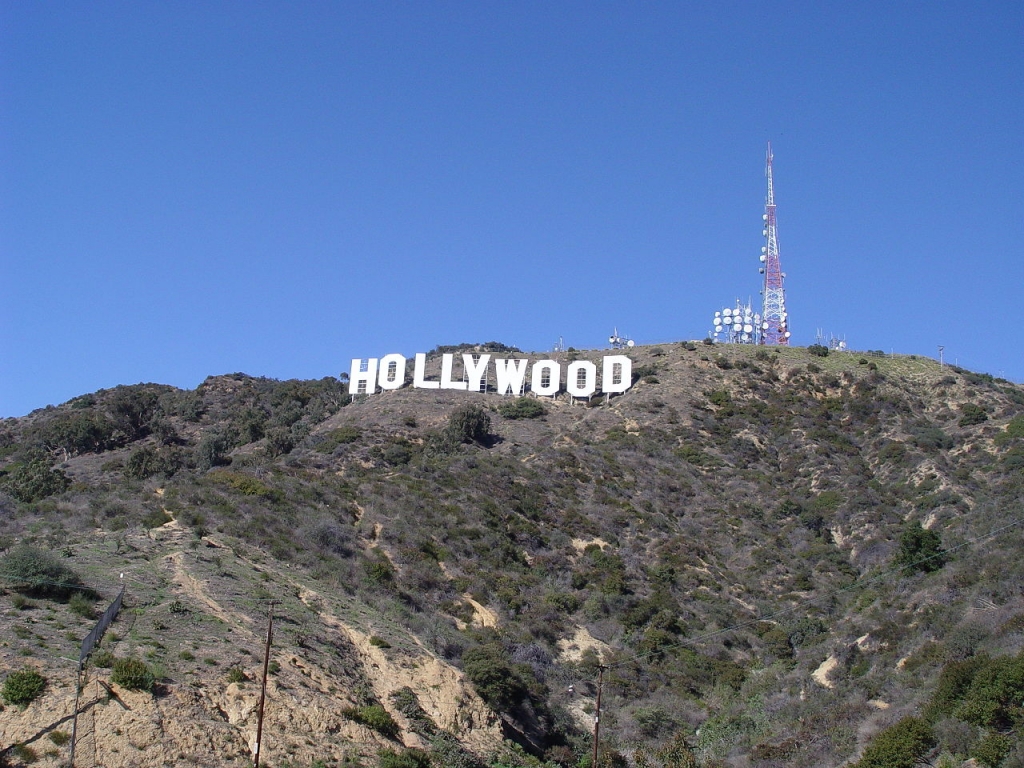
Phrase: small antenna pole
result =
(597, 715)
(263, 688)
(941, 350)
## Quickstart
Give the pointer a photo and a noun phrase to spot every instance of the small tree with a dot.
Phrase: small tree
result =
(920, 550)
(33, 480)
(469, 423)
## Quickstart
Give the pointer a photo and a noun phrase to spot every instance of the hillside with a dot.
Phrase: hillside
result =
(778, 557)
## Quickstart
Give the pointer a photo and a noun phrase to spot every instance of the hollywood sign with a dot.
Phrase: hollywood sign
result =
(509, 375)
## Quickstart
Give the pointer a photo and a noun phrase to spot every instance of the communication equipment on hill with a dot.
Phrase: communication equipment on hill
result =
(736, 325)
(775, 324)
(741, 325)
(620, 342)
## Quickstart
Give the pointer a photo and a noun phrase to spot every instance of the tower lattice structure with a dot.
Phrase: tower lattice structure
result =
(774, 319)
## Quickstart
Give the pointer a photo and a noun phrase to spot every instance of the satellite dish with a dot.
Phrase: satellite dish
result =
(764, 232)
(737, 327)
(765, 326)
(747, 329)
(764, 217)
(717, 314)
(630, 343)
(763, 257)
(745, 337)
(727, 312)
(787, 334)
(718, 329)
(764, 249)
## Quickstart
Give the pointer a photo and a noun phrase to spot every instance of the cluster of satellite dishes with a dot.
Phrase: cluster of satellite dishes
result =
(738, 325)
(620, 342)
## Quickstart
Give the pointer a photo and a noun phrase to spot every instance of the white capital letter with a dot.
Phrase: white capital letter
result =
(475, 371)
(510, 375)
(581, 378)
(446, 374)
(362, 381)
(623, 367)
(547, 377)
(417, 376)
(392, 372)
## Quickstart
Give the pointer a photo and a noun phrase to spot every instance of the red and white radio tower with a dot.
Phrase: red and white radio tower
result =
(774, 319)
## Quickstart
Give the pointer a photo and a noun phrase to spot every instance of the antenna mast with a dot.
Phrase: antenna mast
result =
(774, 319)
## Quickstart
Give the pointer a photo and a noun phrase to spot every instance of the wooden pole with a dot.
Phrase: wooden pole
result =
(74, 725)
(263, 688)
(597, 715)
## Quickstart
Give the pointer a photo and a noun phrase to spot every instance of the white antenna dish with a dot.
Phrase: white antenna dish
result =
(747, 329)
(764, 217)
(630, 343)
(718, 329)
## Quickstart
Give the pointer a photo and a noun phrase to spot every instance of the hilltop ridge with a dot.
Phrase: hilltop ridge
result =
(776, 554)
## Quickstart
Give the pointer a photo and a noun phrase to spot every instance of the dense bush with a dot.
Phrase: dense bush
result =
(33, 479)
(902, 745)
(971, 414)
(23, 686)
(407, 758)
(522, 408)
(920, 550)
(375, 717)
(469, 424)
(498, 684)
(133, 674)
(818, 350)
(34, 571)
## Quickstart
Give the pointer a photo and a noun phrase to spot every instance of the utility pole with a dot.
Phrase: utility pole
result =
(263, 688)
(597, 715)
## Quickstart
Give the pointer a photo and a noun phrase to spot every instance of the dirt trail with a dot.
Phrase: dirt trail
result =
(192, 587)
(442, 690)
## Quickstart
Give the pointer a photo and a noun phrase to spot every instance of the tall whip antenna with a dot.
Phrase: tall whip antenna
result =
(774, 319)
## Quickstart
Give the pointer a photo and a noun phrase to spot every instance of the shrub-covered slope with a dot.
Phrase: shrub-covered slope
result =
(775, 555)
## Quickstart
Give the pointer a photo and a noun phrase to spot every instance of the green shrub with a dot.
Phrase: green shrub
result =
(972, 414)
(33, 480)
(992, 748)
(495, 680)
(920, 550)
(103, 659)
(237, 675)
(34, 571)
(133, 674)
(522, 408)
(374, 716)
(60, 738)
(818, 350)
(24, 753)
(22, 687)
(81, 605)
(899, 746)
(407, 758)
(469, 424)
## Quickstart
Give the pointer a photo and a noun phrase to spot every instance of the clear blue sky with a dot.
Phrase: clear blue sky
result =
(276, 188)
